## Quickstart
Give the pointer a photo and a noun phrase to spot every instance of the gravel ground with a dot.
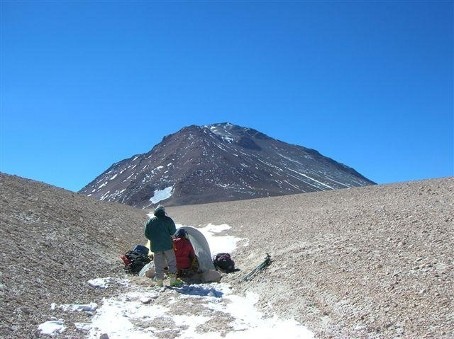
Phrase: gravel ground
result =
(371, 262)
(365, 262)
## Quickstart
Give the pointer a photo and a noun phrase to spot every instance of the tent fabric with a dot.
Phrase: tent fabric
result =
(201, 248)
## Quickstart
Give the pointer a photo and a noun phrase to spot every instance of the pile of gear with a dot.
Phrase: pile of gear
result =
(194, 263)
(181, 254)
(135, 259)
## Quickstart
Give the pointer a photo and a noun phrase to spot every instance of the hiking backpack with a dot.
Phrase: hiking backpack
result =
(224, 262)
(141, 249)
(135, 260)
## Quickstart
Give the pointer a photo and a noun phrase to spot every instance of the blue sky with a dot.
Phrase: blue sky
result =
(86, 84)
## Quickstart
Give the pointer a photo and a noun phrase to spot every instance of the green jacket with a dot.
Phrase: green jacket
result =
(159, 230)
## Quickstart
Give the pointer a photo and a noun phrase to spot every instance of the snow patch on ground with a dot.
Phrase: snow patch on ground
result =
(191, 311)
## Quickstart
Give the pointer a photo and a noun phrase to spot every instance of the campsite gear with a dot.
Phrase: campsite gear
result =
(206, 272)
(210, 276)
(201, 248)
(174, 281)
(224, 262)
(189, 272)
(134, 261)
(148, 270)
(195, 264)
(185, 273)
(264, 264)
(141, 249)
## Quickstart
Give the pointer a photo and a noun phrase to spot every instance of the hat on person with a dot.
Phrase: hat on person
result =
(160, 210)
(181, 233)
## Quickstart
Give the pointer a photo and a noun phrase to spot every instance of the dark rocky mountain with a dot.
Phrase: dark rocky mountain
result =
(219, 162)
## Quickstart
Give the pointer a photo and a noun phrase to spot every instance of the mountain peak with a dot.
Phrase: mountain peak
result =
(219, 162)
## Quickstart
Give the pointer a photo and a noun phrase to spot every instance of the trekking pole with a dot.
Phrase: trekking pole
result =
(264, 264)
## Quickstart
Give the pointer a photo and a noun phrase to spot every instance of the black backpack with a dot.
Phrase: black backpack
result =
(134, 261)
(224, 262)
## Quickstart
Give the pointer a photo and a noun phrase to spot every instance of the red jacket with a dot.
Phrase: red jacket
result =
(184, 252)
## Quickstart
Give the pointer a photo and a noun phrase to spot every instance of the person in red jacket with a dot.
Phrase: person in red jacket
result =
(184, 253)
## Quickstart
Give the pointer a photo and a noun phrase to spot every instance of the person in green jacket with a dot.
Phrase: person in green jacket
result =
(159, 230)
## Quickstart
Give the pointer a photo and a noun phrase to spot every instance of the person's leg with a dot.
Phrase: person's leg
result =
(159, 264)
(171, 261)
(172, 264)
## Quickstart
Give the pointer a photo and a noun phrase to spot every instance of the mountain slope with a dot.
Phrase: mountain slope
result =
(52, 242)
(219, 162)
(368, 262)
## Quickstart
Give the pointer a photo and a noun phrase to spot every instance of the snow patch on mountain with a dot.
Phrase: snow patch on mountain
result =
(160, 195)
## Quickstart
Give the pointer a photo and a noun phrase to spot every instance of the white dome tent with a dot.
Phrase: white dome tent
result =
(207, 272)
